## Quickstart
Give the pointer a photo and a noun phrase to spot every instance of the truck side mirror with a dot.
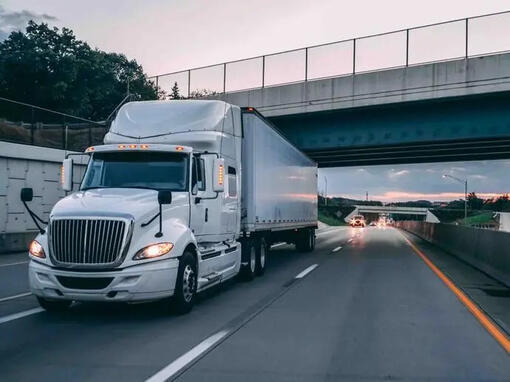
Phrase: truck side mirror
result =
(164, 197)
(66, 174)
(27, 194)
(219, 175)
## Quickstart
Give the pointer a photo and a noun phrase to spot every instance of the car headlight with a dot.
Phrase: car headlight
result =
(36, 249)
(154, 250)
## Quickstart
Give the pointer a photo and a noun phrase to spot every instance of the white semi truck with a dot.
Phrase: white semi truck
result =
(182, 196)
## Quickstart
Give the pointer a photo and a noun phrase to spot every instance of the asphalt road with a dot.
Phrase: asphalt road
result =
(363, 306)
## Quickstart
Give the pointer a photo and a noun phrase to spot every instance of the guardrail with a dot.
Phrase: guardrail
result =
(33, 125)
(450, 40)
(484, 249)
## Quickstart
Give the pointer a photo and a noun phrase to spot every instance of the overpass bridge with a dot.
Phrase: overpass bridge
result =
(411, 211)
(427, 94)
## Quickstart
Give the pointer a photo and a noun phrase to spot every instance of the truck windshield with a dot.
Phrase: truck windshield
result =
(153, 170)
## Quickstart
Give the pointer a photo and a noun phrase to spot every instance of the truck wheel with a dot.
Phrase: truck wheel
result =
(262, 249)
(306, 241)
(54, 305)
(186, 285)
(249, 256)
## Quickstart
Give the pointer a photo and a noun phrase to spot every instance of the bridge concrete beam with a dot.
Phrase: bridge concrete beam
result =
(456, 78)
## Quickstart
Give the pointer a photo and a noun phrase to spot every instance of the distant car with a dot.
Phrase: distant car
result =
(373, 223)
(358, 221)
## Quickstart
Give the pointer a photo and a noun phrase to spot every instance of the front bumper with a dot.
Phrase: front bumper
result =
(144, 282)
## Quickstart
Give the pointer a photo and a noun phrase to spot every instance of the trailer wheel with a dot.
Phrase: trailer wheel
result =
(262, 250)
(54, 305)
(249, 258)
(306, 241)
(186, 285)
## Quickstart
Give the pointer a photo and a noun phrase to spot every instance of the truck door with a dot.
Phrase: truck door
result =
(231, 200)
(206, 205)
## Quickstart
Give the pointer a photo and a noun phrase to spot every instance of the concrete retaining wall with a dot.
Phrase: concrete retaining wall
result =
(28, 166)
(487, 250)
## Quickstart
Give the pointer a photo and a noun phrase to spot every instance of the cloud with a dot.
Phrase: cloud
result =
(393, 196)
(11, 21)
(397, 174)
(477, 176)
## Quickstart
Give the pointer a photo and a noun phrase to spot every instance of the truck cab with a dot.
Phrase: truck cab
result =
(158, 212)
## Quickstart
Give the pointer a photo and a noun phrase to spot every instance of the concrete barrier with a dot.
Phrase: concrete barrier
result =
(486, 250)
(28, 166)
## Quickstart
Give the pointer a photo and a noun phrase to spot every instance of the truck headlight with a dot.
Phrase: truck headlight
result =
(36, 249)
(154, 250)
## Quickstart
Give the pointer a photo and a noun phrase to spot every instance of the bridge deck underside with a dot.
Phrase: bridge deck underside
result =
(454, 129)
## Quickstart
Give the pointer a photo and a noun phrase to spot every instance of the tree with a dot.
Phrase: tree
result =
(474, 202)
(201, 93)
(49, 67)
(175, 94)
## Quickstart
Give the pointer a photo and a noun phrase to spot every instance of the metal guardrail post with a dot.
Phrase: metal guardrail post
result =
(64, 134)
(353, 56)
(224, 77)
(306, 64)
(467, 37)
(189, 83)
(407, 48)
(263, 71)
(32, 127)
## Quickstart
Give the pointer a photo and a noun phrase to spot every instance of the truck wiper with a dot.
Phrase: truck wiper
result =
(91, 188)
(141, 188)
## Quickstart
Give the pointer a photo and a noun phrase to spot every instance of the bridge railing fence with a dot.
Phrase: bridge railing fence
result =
(32, 125)
(445, 41)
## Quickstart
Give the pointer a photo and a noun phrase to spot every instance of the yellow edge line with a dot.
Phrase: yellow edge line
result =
(472, 307)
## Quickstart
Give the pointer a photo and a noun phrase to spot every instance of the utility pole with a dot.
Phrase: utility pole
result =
(367, 196)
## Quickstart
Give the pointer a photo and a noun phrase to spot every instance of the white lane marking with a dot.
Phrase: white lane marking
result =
(330, 231)
(350, 240)
(306, 271)
(277, 245)
(15, 296)
(15, 316)
(337, 249)
(10, 264)
(185, 359)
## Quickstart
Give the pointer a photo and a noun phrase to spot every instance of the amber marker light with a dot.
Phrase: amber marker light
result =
(36, 249)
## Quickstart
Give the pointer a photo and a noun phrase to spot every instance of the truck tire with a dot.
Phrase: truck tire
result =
(262, 249)
(186, 284)
(54, 305)
(306, 241)
(249, 256)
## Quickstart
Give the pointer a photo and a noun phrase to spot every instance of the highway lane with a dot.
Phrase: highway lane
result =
(103, 342)
(369, 310)
(13, 274)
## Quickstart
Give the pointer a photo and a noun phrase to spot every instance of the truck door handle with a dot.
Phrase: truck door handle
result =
(206, 214)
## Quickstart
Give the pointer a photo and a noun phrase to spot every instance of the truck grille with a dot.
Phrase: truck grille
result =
(87, 241)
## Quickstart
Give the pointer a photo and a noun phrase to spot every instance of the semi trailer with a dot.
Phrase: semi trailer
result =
(182, 196)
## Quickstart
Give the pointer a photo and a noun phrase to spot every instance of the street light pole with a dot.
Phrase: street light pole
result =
(465, 200)
(326, 192)
(465, 182)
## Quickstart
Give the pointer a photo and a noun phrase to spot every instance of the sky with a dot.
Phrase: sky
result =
(171, 35)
